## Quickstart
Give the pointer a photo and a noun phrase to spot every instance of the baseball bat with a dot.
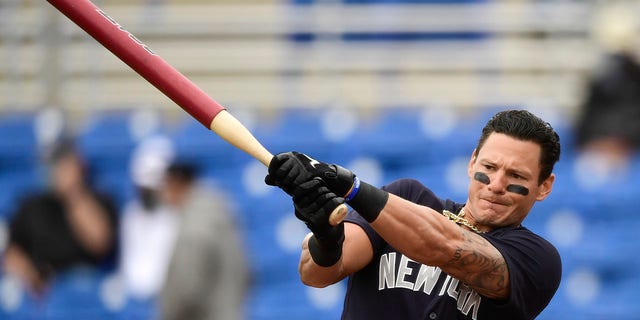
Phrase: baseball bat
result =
(168, 80)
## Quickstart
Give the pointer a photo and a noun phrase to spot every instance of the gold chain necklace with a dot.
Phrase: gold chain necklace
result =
(460, 220)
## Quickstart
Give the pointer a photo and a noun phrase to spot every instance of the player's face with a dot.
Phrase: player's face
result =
(504, 182)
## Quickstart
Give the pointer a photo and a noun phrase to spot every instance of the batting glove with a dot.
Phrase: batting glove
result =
(314, 203)
(289, 170)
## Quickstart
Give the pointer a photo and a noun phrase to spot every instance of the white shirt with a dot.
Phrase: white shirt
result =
(147, 241)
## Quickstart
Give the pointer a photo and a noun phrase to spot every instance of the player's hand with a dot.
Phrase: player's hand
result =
(313, 203)
(289, 170)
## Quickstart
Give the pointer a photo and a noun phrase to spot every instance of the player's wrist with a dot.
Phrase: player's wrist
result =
(367, 200)
(339, 180)
(326, 249)
(355, 188)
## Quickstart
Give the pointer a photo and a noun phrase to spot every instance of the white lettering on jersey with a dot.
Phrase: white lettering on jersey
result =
(403, 271)
(387, 270)
(473, 301)
(445, 285)
(468, 300)
(452, 289)
(427, 278)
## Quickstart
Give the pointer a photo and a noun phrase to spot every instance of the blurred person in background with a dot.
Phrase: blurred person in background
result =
(148, 226)
(69, 224)
(208, 274)
(608, 126)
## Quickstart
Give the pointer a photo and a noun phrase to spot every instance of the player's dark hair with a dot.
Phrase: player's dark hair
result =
(523, 125)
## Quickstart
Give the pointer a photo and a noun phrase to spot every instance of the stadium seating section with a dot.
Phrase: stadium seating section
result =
(593, 226)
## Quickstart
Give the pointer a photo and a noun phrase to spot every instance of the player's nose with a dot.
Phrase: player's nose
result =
(498, 183)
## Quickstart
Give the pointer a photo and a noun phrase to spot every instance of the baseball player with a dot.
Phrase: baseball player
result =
(411, 255)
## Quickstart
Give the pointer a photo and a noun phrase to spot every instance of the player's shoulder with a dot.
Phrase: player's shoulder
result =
(406, 186)
(416, 192)
(526, 240)
(530, 258)
(521, 232)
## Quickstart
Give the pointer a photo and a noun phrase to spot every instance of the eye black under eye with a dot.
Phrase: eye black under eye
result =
(516, 188)
(482, 178)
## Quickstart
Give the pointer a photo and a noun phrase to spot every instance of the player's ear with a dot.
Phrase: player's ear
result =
(545, 188)
(472, 161)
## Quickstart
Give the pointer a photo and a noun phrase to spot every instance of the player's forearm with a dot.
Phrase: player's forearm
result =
(314, 275)
(426, 236)
(421, 233)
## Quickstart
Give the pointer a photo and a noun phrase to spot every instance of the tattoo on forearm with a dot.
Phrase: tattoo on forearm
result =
(480, 269)
(457, 255)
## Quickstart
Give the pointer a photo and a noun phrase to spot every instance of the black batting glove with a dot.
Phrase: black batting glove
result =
(314, 203)
(289, 170)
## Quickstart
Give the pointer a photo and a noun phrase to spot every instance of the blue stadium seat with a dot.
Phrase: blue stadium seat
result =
(16, 185)
(76, 295)
(413, 36)
(290, 302)
(301, 129)
(416, 136)
(431, 175)
(604, 299)
(270, 261)
(394, 138)
(116, 183)
(195, 143)
(18, 141)
(395, 35)
(617, 300)
(605, 247)
(608, 198)
(557, 309)
(16, 303)
(106, 140)
(146, 309)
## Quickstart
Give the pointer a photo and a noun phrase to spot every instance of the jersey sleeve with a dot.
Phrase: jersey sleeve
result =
(534, 269)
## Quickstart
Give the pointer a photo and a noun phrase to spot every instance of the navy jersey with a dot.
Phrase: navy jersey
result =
(393, 286)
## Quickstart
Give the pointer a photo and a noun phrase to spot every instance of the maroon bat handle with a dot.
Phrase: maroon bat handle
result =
(140, 58)
(168, 80)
